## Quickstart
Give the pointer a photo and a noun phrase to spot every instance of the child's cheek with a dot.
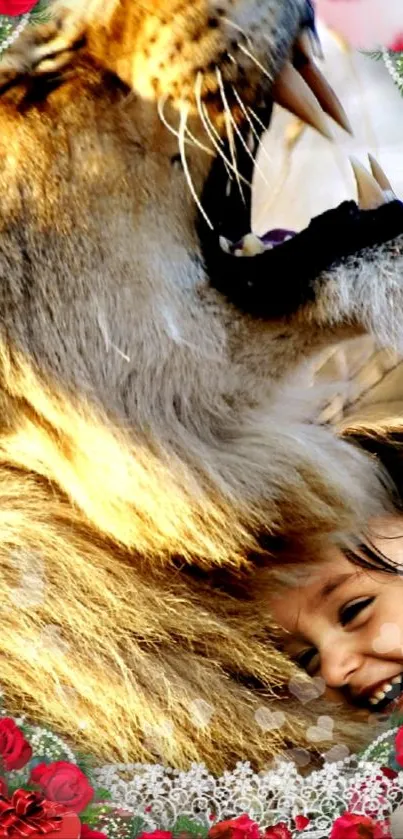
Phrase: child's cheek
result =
(365, 24)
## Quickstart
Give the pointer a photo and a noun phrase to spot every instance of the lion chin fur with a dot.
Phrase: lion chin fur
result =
(154, 441)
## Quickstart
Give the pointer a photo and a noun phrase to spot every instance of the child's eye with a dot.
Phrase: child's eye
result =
(308, 660)
(349, 612)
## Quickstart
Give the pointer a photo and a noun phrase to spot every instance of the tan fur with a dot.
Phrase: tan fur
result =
(150, 433)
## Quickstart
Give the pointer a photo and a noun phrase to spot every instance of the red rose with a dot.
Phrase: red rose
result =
(63, 782)
(156, 834)
(240, 828)
(3, 788)
(301, 822)
(278, 831)
(354, 826)
(399, 746)
(88, 833)
(15, 751)
(389, 773)
(16, 7)
(397, 45)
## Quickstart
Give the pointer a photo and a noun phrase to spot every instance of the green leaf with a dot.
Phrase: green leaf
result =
(136, 827)
(376, 56)
(40, 12)
(103, 794)
(93, 810)
(186, 825)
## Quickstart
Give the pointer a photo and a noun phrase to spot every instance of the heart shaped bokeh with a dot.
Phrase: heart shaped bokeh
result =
(364, 24)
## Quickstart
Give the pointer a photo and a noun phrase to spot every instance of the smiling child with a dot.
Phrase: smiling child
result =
(342, 615)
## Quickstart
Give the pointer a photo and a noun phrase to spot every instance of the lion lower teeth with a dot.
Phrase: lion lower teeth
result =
(381, 178)
(374, 188)
(370, 194)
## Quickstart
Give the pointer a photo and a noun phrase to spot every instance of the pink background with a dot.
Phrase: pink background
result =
(366, 24)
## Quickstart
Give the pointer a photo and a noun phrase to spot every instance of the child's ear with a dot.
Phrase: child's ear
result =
(43, 49)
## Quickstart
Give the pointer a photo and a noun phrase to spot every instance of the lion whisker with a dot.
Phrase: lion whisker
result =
(208, 125)
(257, 119)
(230, 133)
(243, 141)
(183, 114)
(239, 28)
(193, 141)
(256, 61)
(207, 116)
(249, 120)
(160, 108)
(197, 143)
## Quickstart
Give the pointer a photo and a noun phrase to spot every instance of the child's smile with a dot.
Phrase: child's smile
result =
(345, 623)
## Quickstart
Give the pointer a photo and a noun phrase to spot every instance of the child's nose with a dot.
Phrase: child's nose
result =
(339, 662)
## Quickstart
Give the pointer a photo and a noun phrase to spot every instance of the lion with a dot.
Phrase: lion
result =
(156, 446)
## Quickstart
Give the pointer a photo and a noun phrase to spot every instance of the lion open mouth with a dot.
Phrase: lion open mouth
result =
(374, 190)
(302, 89)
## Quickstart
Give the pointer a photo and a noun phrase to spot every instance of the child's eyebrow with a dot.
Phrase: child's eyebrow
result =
(287, 638)
(331, 585)
(296, 638)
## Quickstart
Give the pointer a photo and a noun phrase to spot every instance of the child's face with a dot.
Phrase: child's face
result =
(346, 623)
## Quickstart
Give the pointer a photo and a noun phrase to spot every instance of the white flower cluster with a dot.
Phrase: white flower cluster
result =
(394, 68)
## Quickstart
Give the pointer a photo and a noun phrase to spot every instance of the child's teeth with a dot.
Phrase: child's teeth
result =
(379, 695)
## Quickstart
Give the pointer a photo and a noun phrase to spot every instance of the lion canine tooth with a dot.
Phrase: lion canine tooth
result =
(292, 93)
(325, 94)
(381, 179)
(389, 195)
(370, 195)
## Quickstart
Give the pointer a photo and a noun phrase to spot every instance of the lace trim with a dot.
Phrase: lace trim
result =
(160, 795)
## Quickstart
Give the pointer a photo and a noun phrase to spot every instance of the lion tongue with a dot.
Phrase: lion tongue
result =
(276, 237)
